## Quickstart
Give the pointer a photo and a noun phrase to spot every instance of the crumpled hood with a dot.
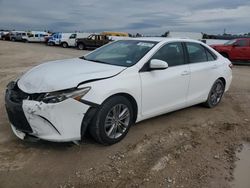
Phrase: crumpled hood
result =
(64, 74)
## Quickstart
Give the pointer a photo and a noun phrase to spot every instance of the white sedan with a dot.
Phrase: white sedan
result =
(113, 87)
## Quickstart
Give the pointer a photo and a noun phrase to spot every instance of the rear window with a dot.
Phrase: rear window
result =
(198, 53)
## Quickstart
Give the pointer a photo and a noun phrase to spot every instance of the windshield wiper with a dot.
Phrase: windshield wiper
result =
(97, 61)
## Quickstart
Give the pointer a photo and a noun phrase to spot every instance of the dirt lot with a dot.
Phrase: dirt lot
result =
(194, 147)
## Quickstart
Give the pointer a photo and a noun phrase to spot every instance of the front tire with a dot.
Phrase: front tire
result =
(215, 94)
(81, 46)
(112, 121)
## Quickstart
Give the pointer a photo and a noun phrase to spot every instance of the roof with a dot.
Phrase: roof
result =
(163, 39)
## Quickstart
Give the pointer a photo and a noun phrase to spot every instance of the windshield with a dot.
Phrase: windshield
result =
(122, 53)
(231, 42)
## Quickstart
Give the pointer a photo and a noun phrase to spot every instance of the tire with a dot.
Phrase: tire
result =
(13, 39)
(51, 44)
(215, 94)
(81, 46)
(65, 45)
(107, 127)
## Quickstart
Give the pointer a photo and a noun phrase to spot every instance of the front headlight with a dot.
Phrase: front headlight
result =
(56, 97)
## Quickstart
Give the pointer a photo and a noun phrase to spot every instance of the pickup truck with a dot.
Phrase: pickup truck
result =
(92, 41)
(236, 49)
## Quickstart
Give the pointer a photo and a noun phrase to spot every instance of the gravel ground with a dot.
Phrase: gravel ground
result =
(194, 147)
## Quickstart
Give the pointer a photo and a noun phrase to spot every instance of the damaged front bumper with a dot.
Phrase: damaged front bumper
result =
(60, 122)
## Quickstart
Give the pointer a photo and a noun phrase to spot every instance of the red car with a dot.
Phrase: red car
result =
(236, 49)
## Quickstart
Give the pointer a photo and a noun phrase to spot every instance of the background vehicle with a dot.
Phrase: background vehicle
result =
(2, 34)
(5, 36)
(236, 49)
(113, 87)
(56, 38)
(92, 41)
(21, 36)
(35, 36)
(70, 41)
(118, 34)
(13, 35)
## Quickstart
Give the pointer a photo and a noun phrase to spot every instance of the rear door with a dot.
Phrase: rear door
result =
(165, 90)
(203, 67)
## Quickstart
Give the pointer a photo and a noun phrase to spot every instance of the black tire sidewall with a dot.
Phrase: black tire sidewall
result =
(81, 46)
(208, 102)
(64, 45)
(101, 116)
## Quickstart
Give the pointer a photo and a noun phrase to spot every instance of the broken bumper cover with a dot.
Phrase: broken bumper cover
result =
(60, 122)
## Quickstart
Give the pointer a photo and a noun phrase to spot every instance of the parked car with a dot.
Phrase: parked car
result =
(93, 41)
(109, 89)
(13, 35)
(117, 34)
(35, 36)
(70, 41)
(57, 37)
(19, 36)
(2, 33)
(236, 49)
(5, 36)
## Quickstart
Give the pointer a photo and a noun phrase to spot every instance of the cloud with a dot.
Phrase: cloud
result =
(145, 16)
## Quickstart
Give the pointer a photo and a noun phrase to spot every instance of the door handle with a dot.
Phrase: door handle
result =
(184, 73)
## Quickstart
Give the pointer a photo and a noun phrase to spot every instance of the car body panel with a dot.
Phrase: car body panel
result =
(64, 74)
(47, 122)
(172, 85)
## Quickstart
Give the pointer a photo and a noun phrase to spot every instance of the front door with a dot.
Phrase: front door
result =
(165, 90)
(241, 49)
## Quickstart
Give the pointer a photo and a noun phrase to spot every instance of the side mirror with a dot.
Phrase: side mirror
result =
(235, 44)
(156, 64)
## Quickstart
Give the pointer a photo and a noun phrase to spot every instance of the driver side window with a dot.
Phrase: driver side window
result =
(171, 53)
(242, 43)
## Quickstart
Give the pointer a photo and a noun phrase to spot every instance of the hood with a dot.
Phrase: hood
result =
(220, 46)
(64, 74)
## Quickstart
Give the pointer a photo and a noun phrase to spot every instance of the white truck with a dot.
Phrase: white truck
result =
(35, 36)
(70, 41)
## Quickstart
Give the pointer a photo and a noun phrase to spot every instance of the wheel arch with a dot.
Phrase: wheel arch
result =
(64, 42)
(223, 80)
(90, 114)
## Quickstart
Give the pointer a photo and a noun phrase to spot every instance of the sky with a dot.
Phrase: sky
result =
(133, 16)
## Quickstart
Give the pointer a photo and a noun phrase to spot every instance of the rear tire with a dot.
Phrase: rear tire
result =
(112, 121)
(215, 94)
(65, 45)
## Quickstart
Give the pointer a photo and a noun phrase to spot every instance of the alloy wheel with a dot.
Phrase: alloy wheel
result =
(216, 93)
(117, 121)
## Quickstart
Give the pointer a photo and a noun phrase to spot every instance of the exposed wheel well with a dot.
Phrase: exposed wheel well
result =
(223, 80)
(132, 101)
